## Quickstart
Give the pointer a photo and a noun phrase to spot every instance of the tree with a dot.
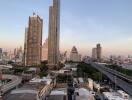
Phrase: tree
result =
(43, 70)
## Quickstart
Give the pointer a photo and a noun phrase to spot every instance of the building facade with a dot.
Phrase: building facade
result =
(74, 56)
(33, 41)
(45, 50)
(94, 53)
(54, 34)
(0, 53)
(99, 52)
(18, 55)
(25, 47)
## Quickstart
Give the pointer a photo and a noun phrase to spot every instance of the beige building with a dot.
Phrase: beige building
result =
(97, 53)
(33, 41)
(54, 34)
(74, 56)
(45, 50)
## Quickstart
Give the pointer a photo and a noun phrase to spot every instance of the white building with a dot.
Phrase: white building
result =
(74, 56)
(84, 94)
(96, 86)
(58, 94)
(90, 84)
(123, 94)
(119, 95)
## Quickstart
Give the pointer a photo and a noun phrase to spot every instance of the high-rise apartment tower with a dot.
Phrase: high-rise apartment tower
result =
(33, 41)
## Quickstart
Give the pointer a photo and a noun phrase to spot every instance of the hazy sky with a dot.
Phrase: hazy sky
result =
(84, 23)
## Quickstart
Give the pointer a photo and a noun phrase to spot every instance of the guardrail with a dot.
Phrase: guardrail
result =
(119, 74)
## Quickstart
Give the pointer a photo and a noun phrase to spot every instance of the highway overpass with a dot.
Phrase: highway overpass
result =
(15, 81)
(114, 76)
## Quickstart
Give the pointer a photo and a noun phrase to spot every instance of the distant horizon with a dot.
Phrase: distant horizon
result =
(98, 21)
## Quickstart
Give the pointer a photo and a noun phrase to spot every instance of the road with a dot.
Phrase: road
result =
(117, 73)
(15, 81)
(114, 77)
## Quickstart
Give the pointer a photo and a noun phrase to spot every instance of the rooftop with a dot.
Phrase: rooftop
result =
(84, 94)
(58, 94)
(21, 96)
(112, 96)
(57, 97)
(29, 91)
(59, 91)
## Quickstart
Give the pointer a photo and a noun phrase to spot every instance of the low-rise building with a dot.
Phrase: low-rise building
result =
(36, 89)
(58, 94)
(119, 95)
(90, 83)
(96, 86)
(83, 94)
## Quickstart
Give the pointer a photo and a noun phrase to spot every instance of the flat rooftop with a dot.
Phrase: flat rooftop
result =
(58, 94)
(29, 90)
(21, 96)
(57, 97)
(59, 91)
(112, 96)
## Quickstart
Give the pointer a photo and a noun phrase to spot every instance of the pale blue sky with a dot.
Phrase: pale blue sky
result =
(83, 23)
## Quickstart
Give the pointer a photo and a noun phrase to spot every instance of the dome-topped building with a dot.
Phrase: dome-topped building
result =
(74, 50)
(74, 56)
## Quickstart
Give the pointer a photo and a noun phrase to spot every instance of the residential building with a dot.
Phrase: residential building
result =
(35, 89)
(33, 43)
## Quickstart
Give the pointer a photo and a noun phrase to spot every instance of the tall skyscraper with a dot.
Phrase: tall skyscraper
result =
(25, 46)
(45, 50)
(18, 55)
(33, 42)
(54, 34)
(94, 53)
(99, 52)
(0, 53)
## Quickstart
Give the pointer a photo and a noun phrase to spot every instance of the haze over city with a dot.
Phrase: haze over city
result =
(83, 24)
(65, 50)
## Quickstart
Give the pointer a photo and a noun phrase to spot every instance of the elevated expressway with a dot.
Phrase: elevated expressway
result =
(118, 78)
(15, 81)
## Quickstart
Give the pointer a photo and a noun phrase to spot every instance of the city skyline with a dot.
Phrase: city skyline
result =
(105, 22)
